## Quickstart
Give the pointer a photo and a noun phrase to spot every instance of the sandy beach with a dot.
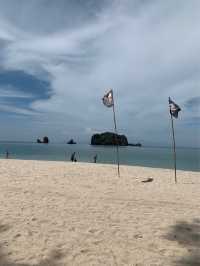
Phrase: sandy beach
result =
(60, 213)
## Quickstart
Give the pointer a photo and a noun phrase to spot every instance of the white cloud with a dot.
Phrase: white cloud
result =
(11, 92)
(12, 109)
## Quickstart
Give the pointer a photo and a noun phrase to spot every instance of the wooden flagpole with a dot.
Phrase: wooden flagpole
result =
(174, 146)
(116, 140)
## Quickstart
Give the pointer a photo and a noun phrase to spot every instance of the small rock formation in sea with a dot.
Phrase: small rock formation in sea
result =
(45, 140)
(135, 145)
(109, 138)
(71, 141)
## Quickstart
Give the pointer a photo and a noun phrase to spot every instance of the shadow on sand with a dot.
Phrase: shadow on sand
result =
(52, 260)
(188, 236)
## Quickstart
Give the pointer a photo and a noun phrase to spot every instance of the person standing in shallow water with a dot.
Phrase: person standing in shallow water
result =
(7, 154)
(95, 158)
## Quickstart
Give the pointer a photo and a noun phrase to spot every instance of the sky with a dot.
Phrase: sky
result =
(58, 59)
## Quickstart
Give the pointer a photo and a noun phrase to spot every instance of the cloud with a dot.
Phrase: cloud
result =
(15, 110)
(146, 51)
(12, 92)
(193, 102)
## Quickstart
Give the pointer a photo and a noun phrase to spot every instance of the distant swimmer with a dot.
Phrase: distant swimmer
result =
(95, 158)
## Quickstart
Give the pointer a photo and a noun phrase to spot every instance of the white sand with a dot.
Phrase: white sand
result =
(57, 213)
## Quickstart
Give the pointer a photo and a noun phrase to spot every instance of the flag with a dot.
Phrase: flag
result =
(108, 99)
(174, 108)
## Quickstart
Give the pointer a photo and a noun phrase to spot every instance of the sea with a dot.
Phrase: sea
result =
(158, 157)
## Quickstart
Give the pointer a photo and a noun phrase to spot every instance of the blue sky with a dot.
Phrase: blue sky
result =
(58, 58)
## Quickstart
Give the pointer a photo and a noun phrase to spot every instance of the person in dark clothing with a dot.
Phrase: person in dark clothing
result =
(95, 158)
(7, 154)
(73, 158)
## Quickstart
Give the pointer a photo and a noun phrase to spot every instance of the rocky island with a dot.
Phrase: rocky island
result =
(110, 138)
(45, 140)
(135, 144)
(71, 141)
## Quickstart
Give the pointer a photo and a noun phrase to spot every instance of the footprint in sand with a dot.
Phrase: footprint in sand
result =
(93, 257)
(138, 236)
(17, 235)
(93, 230)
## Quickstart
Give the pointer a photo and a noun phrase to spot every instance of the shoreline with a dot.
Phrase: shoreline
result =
(187, 160)
(100, 164)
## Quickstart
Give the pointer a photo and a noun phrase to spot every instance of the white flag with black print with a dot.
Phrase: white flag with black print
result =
(108, 99)
(174, 108)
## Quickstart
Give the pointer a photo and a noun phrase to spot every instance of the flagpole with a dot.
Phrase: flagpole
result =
(116, 140)
(174, 146)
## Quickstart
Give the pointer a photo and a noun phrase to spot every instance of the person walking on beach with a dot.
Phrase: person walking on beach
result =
(95, 158)
(73, 158)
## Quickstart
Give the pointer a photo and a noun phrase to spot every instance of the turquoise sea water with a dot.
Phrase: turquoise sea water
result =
(187, 158)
